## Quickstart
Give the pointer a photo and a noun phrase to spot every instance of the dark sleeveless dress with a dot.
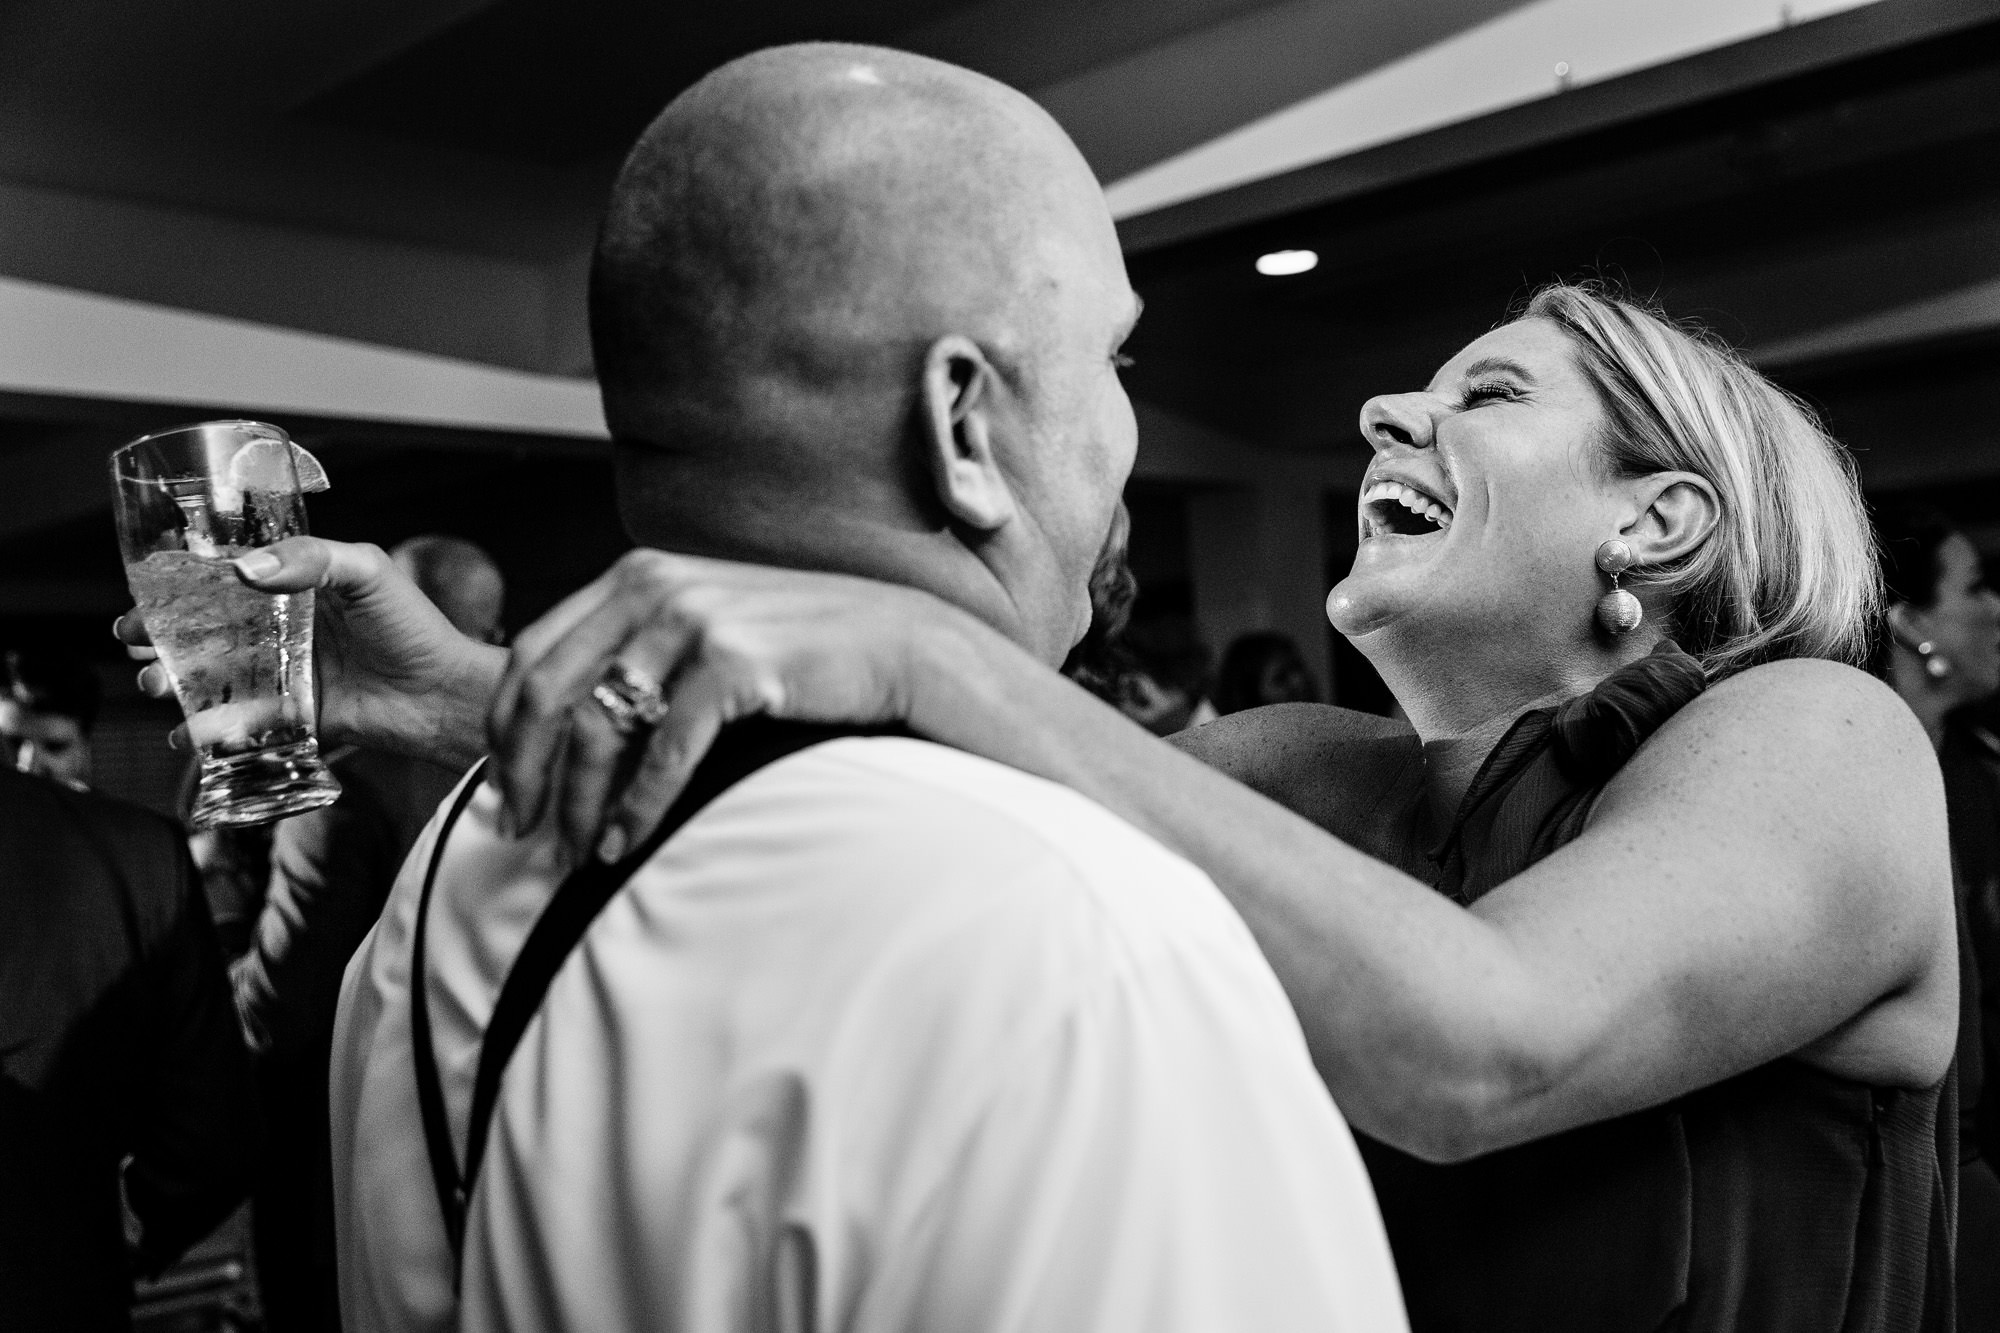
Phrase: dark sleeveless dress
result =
(1784, 1200)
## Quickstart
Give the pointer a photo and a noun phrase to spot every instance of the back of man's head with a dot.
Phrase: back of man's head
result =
(460, 578)
(855, 309)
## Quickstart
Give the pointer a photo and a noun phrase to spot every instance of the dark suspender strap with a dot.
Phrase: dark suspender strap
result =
(741, 749)
(430, 1089)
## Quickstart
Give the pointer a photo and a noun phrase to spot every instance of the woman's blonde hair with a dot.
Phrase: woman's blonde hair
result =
(1789, 570)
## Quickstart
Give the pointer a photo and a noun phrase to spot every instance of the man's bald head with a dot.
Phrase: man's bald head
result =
(786, 245)
(459, 578)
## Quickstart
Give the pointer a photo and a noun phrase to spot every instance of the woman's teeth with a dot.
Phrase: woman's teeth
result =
(1410, 498)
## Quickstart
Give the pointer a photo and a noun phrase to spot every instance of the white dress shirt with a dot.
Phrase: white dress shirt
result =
(887, 1038)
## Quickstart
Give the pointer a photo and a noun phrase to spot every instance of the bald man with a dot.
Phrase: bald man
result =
(883, 1036)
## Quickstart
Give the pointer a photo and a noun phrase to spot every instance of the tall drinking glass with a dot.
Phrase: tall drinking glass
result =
(189, 500)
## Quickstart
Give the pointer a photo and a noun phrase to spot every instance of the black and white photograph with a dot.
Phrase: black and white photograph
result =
(1000, 666)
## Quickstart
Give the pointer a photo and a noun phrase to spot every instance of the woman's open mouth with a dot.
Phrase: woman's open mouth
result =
(1394, 509)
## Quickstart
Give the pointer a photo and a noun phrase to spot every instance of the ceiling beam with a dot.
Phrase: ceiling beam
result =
(1181, 91)
(1524, 55)
(54, 341)
(450, 303)
(1968, 311)
(1710, 77)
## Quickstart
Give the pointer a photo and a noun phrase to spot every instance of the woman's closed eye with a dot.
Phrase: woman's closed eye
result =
(1489, 391)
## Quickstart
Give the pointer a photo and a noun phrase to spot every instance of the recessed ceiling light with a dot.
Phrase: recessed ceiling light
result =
(1284, 263)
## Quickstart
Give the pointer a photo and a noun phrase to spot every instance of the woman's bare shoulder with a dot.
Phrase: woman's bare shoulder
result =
(1334, 766)
(1822, 749)
(1285, 734)
(1817, 711)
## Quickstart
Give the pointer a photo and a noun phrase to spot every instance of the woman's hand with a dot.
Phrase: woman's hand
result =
(392, 672)
(729, 640)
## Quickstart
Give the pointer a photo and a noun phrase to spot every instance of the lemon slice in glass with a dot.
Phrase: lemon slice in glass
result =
(312, 472)
(259, 465)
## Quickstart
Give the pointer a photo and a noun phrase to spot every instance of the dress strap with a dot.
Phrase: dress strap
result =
(1535, 788)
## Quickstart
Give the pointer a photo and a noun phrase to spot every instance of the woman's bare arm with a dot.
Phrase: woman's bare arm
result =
(1768, 876)
(1773, 867)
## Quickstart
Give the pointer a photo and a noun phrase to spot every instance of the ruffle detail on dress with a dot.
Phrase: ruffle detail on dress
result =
(1596, 733)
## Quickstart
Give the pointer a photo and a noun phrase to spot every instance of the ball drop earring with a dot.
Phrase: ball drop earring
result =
(1618, 611)
(1936, 665)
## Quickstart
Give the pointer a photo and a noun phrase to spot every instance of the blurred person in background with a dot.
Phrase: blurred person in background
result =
(1164, 687)
(118, 1045)
(460, 579)
(330, 872)
(1262, 668)
(1942, 655)
(234, 862)
(1153, 673)
(48, 704)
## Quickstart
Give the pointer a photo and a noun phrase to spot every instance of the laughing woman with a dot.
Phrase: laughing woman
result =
(1635, 960)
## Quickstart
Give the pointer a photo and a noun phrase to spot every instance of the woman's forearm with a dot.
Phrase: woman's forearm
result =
(1409, 1004)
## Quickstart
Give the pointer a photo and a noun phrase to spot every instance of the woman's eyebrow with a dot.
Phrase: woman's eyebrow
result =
(1488, 365)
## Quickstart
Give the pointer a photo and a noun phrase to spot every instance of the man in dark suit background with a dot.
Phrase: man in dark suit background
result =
(119, 1047)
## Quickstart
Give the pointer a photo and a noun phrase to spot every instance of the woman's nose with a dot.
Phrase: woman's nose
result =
(1397, 420)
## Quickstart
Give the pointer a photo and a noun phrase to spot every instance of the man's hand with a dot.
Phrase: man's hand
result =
(728, 640)
(392, 672)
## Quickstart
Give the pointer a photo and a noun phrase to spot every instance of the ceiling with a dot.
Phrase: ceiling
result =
(493, 126)
(1813, 202)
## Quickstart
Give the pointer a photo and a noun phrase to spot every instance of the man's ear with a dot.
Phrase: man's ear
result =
(956, 429)
(1677, 512)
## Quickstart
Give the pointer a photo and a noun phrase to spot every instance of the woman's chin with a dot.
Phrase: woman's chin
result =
(1359, 606)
